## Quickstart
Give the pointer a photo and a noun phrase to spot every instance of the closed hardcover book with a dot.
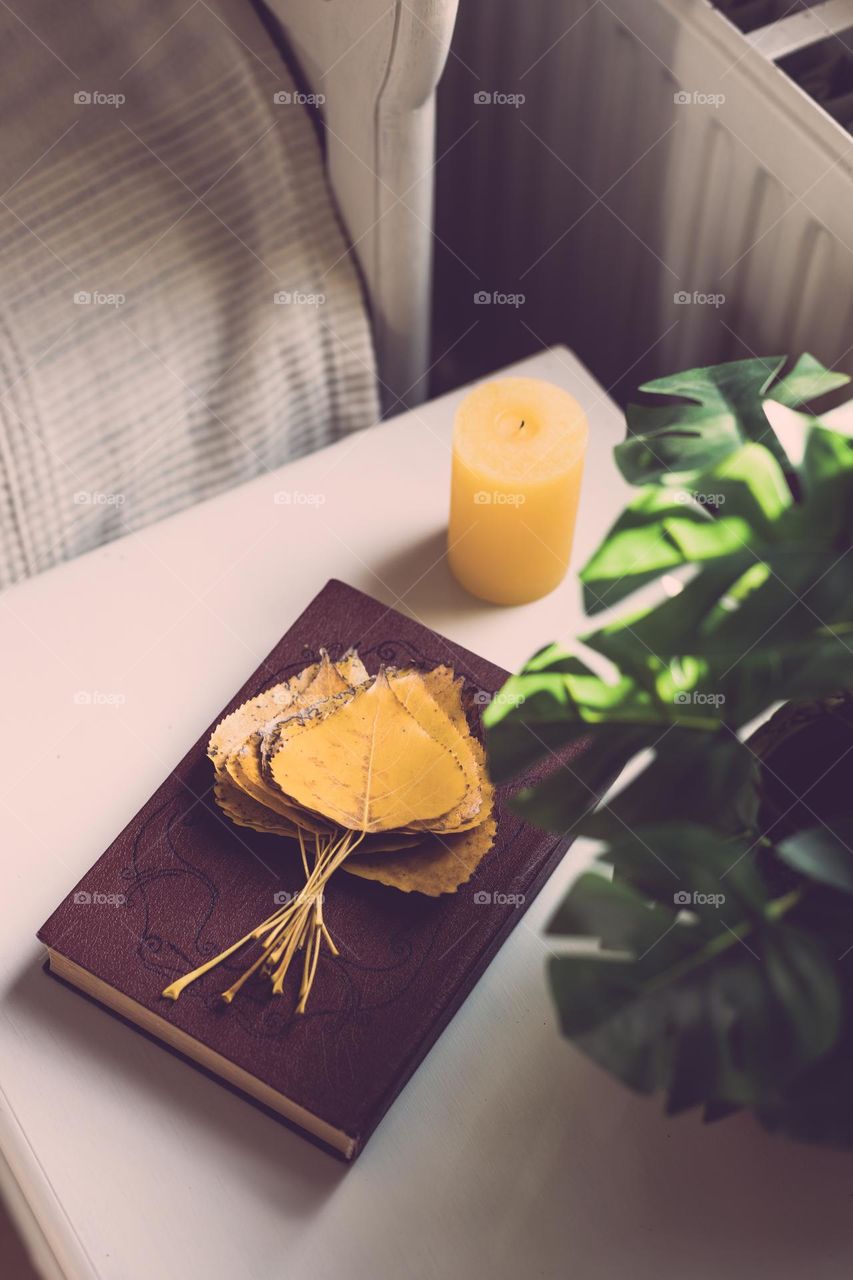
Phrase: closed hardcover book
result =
(183, 883)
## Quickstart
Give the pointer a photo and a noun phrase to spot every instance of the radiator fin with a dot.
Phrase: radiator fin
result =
(603, 198)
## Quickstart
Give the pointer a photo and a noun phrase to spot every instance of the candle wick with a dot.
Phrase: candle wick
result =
(522, 425)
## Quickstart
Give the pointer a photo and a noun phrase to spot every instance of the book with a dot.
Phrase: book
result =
(181, 883)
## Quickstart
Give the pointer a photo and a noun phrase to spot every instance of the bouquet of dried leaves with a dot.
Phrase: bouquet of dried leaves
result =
(379, 776)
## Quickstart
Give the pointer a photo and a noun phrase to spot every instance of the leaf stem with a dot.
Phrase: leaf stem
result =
(291, 928)
(772, 911)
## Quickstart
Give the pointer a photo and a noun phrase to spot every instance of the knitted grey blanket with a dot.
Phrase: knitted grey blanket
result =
(178, 310)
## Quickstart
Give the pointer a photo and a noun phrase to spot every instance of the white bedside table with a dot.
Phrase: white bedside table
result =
(507, 1154)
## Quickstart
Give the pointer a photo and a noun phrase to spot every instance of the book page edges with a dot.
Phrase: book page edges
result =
(186, 1044)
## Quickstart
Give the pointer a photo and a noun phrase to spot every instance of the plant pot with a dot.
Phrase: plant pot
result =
(806, 779)
(806, 750)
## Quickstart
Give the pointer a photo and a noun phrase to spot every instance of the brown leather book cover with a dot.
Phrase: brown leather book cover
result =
(181, 883)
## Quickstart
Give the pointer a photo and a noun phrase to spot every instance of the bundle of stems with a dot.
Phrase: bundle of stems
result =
(297, 925)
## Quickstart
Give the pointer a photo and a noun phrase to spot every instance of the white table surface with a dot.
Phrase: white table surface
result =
(508, 1154)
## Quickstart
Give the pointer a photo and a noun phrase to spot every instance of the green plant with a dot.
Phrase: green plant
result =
(723, 974)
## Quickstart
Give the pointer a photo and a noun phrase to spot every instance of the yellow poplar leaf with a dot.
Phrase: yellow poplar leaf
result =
(369, 766)
(325, 682)
(351, 667)
(311, 687)
(276, 732)
(244, 770)
(230, 734)
(317, 680)
(387, 842)
(411, 689)
(246, 812)
(438, 864)
(446, 687)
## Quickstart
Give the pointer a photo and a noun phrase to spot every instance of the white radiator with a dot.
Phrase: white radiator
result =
(666, 195)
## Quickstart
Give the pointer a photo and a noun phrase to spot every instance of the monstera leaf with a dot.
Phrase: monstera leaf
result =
(720, 409)
(700, 987)
(716, 974)
(733, 505)
(730, 1019)
(823, 853)
(742, 504)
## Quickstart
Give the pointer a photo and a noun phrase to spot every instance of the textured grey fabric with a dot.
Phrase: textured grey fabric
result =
(145, 362)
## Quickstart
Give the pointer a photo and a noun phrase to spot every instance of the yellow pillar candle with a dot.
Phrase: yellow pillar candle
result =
(518, 452)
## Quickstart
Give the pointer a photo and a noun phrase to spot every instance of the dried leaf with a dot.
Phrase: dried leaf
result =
(388, 842)
(353, 670)
(397, 754)
(243, 763)
(276, 732)
(246, 812)
(326, 681)
(245, 771)
(316, 681)
(370, 766)
(230, 734)
(410, 687)
(446, 687)
(439, 864)
(447, 690)
(379, 777)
